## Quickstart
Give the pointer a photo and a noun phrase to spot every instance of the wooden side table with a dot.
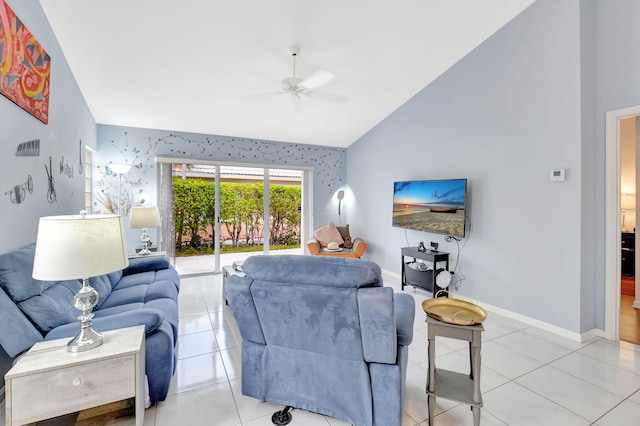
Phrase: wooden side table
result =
(449, 384)
(48, 381)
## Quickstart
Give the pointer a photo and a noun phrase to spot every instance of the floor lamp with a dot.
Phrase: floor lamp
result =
(340, 198)
(120, 169)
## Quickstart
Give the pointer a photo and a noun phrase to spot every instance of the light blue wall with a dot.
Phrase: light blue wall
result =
(502, 117)
(138, 147)
(69, 122)
(592, 254)
(617, 85)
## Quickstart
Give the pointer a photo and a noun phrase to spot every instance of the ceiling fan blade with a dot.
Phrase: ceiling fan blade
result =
(317, 79)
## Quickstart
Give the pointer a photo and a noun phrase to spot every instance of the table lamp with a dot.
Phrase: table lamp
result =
(144, 217)
(80, 247)
(628, 202)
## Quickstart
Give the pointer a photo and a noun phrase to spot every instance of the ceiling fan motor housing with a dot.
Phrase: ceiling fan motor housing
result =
(296, 86)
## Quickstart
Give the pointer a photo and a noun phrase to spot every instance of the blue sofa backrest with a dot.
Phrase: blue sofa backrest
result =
(320, 333)
(32, 307)
(18, 333)
(323, 295)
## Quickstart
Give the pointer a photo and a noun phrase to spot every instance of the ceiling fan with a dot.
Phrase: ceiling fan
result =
(296, 86)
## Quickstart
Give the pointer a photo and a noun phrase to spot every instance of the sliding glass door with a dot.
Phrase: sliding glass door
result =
(221, 213)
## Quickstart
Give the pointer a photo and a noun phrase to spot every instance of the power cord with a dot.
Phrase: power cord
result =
(457, 273)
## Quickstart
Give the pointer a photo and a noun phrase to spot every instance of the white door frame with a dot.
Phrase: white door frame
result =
(612, 220)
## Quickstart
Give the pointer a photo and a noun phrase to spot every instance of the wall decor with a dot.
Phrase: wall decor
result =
(80, 163)
(66, 168)
(19, 192)
(24, 66)
(29, 149)
(51, 188)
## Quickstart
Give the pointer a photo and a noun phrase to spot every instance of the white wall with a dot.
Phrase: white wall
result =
(69, 122)
(502, 117)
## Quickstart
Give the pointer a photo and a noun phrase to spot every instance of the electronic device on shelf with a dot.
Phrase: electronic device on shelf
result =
(437, 206)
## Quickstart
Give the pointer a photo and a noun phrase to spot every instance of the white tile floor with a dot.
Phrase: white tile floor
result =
(529, 376)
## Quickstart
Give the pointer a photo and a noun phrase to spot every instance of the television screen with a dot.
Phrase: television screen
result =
(437, 206)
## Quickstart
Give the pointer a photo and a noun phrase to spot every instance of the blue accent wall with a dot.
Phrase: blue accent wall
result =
(69, 123)
(138, 147)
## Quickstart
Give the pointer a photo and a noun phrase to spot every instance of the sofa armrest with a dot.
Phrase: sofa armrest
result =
(238, 292)
(150, 318)
(359, 246)
(404, 309)
(314, 247)
(379, 336)
(146, 264)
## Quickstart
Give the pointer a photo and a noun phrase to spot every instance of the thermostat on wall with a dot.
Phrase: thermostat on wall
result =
(557, 175)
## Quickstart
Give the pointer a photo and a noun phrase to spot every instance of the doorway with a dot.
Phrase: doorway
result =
(621, 320)
(629, 316)
(243, 216)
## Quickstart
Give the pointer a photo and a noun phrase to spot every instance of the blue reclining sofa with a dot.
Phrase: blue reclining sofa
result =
(145, 293)
(324, 335)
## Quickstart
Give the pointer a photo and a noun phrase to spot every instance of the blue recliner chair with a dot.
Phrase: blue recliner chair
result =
(322, 334)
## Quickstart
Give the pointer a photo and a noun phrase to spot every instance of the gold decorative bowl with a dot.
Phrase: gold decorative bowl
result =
(454, 311)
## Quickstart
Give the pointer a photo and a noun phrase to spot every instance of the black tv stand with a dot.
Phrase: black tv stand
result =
(425, 279)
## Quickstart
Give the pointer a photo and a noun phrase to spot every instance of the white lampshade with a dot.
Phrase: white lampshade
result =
(144, 217)
(79, 246)
(628, 201)
(120, 168)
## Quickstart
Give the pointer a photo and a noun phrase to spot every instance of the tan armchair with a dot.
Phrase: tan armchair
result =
(355, 251)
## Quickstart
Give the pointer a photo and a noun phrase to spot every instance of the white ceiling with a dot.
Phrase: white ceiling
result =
(215, 67)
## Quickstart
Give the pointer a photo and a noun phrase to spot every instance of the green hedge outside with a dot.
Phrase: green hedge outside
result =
(241, 204)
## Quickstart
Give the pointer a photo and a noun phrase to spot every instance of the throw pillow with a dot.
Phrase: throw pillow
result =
(328, 234)
(346, 236)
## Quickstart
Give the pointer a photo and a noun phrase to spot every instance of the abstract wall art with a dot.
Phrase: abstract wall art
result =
(24, 66)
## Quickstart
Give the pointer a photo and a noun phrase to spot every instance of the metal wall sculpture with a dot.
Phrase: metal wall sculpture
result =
(19, 192)
(51, 184)
(29, 149)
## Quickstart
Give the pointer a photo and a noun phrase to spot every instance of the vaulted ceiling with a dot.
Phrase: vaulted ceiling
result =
(216, 66)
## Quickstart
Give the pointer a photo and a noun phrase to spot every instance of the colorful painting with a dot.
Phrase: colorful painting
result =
(24, 66)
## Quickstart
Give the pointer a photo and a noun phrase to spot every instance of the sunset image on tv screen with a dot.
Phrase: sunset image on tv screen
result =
(437, 206)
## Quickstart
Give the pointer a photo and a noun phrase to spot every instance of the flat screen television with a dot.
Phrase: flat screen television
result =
(437, 206)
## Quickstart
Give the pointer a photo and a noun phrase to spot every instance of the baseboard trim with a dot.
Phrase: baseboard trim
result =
(571, 335)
